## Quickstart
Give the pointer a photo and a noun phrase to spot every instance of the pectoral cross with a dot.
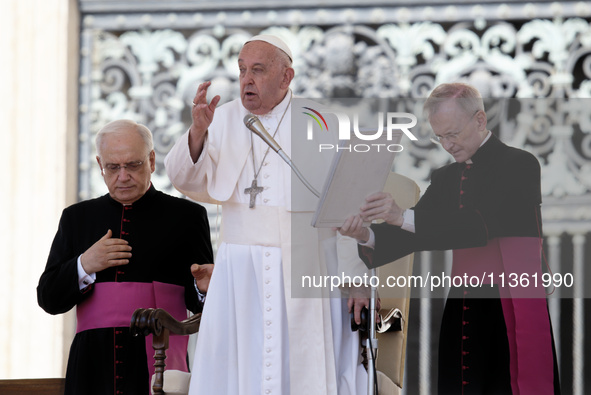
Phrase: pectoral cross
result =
(254, 190)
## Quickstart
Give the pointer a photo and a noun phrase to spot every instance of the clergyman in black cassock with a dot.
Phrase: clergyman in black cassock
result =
(485, 207)
(167, 235)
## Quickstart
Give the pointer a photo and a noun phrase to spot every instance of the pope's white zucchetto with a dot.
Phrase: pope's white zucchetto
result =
(273, 40)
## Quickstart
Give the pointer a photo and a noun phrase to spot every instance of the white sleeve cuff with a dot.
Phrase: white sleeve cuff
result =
(84, 279)
(371, 241)
(203, 150)
(408, 223)
(200, 296)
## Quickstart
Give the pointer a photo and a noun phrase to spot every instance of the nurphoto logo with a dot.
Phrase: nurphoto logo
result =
(387, 126)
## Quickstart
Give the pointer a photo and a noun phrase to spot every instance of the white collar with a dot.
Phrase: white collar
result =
(280, 108)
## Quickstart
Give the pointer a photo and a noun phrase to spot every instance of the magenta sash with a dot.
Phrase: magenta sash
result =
(524, 306)
(112, 304)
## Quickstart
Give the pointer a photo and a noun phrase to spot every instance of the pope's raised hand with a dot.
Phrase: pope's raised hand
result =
(105, 253)
(202, 115)
(202, 112)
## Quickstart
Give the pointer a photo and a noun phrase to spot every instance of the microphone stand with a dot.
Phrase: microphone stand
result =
(287, 160)
(372, 340)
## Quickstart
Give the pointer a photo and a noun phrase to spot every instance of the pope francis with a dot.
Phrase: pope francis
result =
(255, 338)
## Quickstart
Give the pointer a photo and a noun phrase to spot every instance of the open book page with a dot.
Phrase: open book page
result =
(359, 168)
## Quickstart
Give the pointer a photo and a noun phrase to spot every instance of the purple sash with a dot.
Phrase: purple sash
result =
(112, 304)
(524, 306)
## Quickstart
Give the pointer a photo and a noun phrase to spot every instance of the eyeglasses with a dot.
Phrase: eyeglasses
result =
(451, 137)
(113, 168)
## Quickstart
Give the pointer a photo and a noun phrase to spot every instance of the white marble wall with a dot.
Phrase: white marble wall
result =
(36, 109)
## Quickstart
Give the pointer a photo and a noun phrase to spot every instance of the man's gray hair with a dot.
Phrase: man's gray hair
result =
(466, 96)
(124, 125)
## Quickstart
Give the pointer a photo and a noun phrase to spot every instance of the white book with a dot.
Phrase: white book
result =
(354, 175)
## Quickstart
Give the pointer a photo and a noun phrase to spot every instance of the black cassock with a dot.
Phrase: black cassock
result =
(496, 197)
(167, 235)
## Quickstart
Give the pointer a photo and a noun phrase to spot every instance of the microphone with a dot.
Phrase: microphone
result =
(253, 123)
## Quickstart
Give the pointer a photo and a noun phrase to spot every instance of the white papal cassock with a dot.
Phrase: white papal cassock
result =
(254, 337)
